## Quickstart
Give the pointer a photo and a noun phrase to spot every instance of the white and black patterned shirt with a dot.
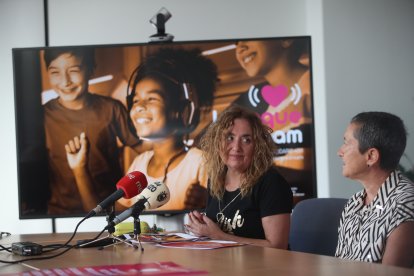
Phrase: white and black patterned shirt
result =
(363, 230)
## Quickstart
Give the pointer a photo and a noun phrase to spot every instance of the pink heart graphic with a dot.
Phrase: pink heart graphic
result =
(274, 95)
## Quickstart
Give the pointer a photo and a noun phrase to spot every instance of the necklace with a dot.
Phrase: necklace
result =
(166, 167)
(175, 156)
(220, 214)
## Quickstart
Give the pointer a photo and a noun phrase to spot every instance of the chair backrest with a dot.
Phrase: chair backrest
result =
(314, 225)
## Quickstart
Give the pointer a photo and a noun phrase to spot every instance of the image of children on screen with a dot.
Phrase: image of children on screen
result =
(88, 115)
(99, 120)
(168, 89)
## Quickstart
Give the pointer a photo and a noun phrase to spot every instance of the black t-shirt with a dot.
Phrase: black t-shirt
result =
(271, 195)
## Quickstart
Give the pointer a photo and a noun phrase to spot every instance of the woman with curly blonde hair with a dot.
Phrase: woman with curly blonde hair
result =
(249, 201)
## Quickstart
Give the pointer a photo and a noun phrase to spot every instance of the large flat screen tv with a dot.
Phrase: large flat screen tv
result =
(79, 110)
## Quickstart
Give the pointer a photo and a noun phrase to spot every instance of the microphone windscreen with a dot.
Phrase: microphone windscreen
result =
(156, 195)
(132, 184)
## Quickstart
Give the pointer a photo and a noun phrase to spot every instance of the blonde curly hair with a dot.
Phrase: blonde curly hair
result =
(212, 144)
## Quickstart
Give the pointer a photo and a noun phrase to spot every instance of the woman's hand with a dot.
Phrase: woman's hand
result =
(200, 225)
(276, 229)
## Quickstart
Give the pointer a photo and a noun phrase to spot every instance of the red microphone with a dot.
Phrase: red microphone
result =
(128, 186)
(132, 184)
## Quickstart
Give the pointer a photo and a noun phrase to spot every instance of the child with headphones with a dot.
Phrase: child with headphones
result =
(164, 104)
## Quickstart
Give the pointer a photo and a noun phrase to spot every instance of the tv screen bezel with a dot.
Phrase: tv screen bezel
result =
(20, 98)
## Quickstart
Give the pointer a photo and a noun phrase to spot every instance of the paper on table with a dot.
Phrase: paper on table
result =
(165, 237)
(200, 244)
(155, 268)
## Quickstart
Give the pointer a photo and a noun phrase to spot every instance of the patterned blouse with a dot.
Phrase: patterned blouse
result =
(363, 230)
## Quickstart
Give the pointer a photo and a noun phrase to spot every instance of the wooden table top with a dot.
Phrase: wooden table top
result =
(241, 260)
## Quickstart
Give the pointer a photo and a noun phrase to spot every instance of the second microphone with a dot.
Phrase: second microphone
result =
(153, 196)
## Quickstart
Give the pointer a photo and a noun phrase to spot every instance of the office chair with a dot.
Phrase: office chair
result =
(314, 225)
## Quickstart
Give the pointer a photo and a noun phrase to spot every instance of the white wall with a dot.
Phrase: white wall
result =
(369, 66)
(126, 21)
(361, 54)
(21, 25)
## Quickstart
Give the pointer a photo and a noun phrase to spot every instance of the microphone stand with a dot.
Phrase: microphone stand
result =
(110, 239)
(137, 229)
(136, 211)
